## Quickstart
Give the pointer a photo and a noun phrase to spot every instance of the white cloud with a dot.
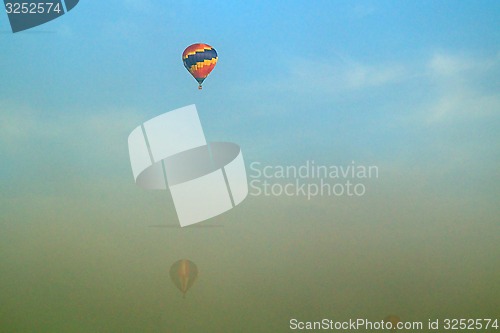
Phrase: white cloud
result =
(445, 64)
(22, 125)
(453, 87)
(359, 76)
(461, 85)
(339, 75)
(462, 102)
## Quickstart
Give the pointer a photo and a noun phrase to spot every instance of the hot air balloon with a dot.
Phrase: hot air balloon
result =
(199, 59)
(394, 320)
(183, 273)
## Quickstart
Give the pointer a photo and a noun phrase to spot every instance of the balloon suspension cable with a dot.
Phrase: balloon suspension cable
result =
(200, 87)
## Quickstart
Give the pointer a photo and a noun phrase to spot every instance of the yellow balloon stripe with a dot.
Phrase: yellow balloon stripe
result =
(199, 65)
(197, 50)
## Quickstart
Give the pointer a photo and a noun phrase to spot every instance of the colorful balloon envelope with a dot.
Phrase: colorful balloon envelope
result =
(199, 59)
(183, 273)
(394, 320)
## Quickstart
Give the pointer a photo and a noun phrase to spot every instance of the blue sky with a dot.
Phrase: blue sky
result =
(407, 84)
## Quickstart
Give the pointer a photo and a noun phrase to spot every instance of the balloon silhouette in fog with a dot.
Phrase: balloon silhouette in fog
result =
(183, 273)
(394, 320)
(199, 59)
